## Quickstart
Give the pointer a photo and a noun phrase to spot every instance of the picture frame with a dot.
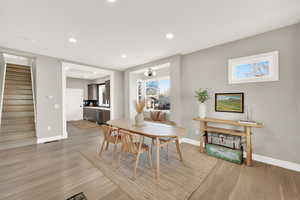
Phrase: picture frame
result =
(229, 102)
(257, 68)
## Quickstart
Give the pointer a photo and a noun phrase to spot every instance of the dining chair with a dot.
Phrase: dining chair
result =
(134, 144)
(111, 135)
(165, 141)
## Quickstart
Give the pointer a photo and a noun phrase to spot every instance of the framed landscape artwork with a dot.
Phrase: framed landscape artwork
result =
(229, 102)
(258, 68)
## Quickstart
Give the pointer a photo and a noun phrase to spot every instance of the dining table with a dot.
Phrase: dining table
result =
(153, 130)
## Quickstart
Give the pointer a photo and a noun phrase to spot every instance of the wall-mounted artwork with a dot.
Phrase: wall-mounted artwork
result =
(258, 68)
(229, 102)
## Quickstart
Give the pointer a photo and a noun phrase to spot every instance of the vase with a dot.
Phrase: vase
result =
(139, 119)
(202, 110)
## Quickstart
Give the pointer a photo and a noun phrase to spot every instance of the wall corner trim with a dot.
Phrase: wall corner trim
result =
(265, 159)
(49, 139)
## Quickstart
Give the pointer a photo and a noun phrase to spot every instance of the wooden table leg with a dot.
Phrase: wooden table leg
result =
(178, 146)
(157, 158)
(248, 146)
(203, 137)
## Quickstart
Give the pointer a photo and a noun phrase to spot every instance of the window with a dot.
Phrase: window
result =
(156, 93)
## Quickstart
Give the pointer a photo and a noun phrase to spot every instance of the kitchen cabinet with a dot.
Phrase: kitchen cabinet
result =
(93, 92)
(96, 114)
(90, 114)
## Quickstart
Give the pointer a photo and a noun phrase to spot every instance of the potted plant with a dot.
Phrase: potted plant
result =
(139, 118)
(202, 96)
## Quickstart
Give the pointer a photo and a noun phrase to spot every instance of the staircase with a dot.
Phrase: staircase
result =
(17, 120)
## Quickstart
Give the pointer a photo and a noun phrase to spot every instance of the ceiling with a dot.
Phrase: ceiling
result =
(104, 31)
(84, 72)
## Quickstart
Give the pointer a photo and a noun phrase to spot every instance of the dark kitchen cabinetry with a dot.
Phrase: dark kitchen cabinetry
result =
(93, 92)
(89, 114)
(96, 115)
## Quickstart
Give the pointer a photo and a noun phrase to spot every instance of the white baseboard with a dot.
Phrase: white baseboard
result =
(49, 139)
(260, 158)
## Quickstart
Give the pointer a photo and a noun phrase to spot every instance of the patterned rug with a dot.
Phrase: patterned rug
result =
(178, 180)
(84, 124)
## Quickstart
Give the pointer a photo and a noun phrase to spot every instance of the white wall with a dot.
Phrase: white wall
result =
(130, 86)
(77, 83)
(117, 94)
(2, 78)
(49, 97)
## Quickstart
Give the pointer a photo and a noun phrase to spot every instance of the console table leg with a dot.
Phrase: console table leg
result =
(249, 146)
(203, 137)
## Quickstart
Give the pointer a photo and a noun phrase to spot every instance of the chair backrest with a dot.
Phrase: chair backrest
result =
(129, 141)
(107, 130)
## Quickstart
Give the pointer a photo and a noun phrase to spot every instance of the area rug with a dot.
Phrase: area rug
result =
(79, 196)
(177, 180)
(84, 124)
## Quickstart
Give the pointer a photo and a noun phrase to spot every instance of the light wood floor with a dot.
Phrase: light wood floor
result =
(57, 171)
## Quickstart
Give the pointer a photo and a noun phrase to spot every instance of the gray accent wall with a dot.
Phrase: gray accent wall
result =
(276, 104)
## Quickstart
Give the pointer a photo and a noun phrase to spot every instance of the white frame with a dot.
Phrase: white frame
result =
(272, 57)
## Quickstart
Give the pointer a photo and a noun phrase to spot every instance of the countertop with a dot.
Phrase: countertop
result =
(96, 107)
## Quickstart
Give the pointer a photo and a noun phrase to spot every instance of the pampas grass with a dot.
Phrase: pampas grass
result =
(139, 107)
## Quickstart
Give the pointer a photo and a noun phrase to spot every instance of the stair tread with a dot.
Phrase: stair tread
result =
(12, 137)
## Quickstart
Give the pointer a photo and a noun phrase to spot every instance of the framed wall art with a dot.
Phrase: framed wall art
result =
(229, 102)
(257, 68)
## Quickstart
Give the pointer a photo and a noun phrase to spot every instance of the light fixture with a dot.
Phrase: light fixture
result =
(72, 40)
(124, 56)
(94, 72)
(111, 1)
(150, 73)
(169, 36)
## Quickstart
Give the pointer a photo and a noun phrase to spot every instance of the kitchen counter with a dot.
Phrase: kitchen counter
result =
(96, 107)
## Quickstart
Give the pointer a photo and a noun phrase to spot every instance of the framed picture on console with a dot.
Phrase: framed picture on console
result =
(229, 102)
(257, 68)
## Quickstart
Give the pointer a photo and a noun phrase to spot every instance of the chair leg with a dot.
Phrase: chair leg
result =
(136, 164)
(102, 147)
(149, 156)
(167, 151)
(115, 148)
(152, 143)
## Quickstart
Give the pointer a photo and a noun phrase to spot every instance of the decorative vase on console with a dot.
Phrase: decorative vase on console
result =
(202, 96)
(139, 117)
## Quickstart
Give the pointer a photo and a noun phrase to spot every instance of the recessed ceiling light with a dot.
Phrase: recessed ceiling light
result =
(111, 1)
(67, 68)
(95, 72)
(72, 40)
(124, 56)
(169, 36)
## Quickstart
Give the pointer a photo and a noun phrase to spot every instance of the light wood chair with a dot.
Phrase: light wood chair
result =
(111, 135)
(165, 141)
(134, 144)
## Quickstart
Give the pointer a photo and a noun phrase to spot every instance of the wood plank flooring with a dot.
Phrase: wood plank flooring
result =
(57, 171)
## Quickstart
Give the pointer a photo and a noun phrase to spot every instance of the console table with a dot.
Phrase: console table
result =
(204, 128)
